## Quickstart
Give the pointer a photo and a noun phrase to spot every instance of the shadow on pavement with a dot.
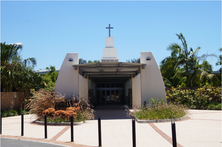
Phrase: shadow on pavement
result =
(111, 112)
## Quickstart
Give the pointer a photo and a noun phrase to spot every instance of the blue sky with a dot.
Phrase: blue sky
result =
(50, 29)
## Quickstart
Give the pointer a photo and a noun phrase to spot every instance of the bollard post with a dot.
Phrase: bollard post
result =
(22, 124)
(134, 132)
(45, 120)
(99, 131)
(0, 123)
(71, 119)
(144, 104)
(174, 140)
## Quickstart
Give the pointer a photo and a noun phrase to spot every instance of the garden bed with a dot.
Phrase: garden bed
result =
(57, 123)
(161, 120)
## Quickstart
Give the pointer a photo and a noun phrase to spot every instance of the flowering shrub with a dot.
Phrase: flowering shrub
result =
(60, 114)
(75, 109)
(44, 101)
(49, 112)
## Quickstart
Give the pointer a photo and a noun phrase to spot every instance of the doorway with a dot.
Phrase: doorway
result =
(109, 93)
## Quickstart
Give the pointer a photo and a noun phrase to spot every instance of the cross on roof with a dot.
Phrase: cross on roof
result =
(109, 29)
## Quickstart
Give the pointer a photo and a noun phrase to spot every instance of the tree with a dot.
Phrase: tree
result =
(15, 76)
(185, 58)
(219, 62)
(134, 60)
(9, 53)
(81, 61)
(29, 61)
(50, 78)
(184, 63)
(94, 61)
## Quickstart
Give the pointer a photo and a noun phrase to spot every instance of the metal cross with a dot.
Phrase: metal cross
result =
(109, 29)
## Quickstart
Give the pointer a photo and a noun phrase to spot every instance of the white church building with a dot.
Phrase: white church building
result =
(111, 81)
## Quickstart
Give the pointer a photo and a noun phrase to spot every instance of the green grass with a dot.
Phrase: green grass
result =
(161, 110)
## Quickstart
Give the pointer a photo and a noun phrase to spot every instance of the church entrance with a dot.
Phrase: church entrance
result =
(110, 93)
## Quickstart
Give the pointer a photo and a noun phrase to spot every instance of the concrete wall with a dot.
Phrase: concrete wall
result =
(68, 79)
(8, 102)
(136, 91)
(152, 85)
(83, 87)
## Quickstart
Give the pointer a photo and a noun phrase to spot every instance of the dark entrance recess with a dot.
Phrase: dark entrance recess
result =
(109, 79)
(110, 93)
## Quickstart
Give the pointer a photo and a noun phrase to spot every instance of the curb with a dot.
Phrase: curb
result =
(42, 140)
(58, 124)
(160, 120)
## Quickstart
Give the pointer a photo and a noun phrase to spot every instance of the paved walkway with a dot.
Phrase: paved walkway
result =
(202, 129)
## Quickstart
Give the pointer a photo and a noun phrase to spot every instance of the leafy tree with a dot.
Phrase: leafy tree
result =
(205, 66)
(50, 78)
(134, 60)
(94, 61)
(81, 61)
(219, 62)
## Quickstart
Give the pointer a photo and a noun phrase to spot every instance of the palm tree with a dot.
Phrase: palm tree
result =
(181, 58)
(29, 61)
(9, 53)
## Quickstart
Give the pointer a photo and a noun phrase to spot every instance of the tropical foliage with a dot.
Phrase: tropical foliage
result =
(200, 98)
(134, 60)
(15, 74)
(82, 61)
(49, 79)
(183, 67)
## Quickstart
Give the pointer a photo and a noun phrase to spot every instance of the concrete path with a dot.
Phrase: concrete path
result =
(202, 129)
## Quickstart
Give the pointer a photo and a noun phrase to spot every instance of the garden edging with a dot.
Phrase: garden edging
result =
(160, 120)
(58, 124)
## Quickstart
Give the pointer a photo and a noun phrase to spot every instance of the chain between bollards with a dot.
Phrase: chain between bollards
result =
(72, 137)
(45, 122)
(0, 123)
(174, 140)
(22, 124)
(99, 131)
(134, 132)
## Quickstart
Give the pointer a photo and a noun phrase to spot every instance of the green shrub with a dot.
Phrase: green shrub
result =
(214, 106)
(4, 113)
(197, 99)
(21, 111)
(12, 113)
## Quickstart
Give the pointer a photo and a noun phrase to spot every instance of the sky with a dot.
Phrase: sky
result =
(49, 30)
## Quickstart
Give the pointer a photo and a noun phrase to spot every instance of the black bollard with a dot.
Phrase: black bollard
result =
(144, 104)
(22, 124)
(99, 131)
(0, 123)
(134, 132)
(174, 140)
(72, 137)
(45, 126)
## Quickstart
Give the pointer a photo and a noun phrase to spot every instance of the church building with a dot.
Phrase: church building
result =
(111, 81)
